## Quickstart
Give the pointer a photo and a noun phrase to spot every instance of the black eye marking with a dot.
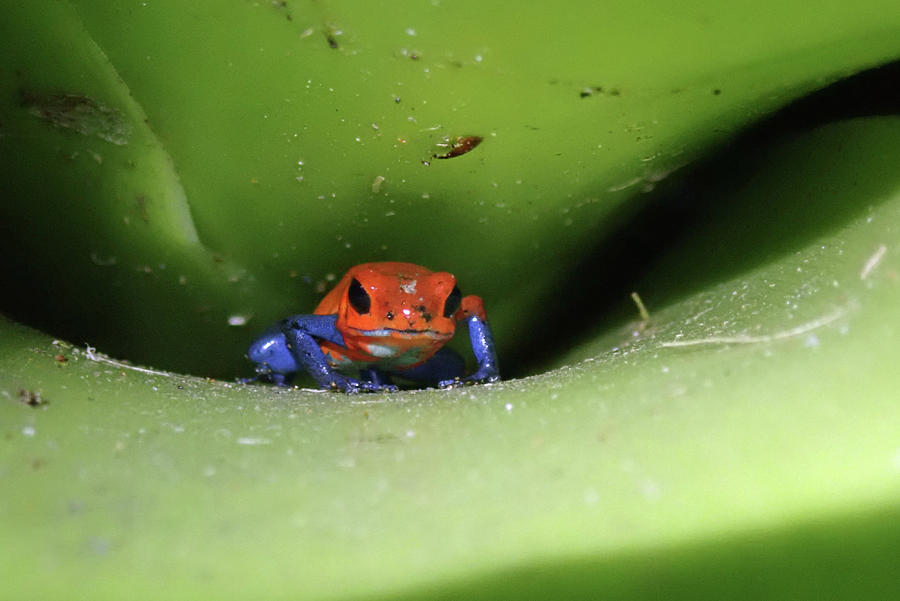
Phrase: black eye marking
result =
(452, 303)
(359, 298)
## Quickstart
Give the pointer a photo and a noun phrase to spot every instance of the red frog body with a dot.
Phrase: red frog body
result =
(381, 319)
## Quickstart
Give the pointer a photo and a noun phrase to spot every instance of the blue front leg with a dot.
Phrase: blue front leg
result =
(274, 362)
(485, 354)
(301, 333)
(292, 345)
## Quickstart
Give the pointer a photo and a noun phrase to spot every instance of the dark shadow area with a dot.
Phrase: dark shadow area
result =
(688, 203)
(849, 558)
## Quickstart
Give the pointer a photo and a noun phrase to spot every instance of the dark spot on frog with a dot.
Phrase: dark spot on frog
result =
(389, 316)
(332, 41)
(461, 146)
(32, 398)
(424, 313)
(716, 92)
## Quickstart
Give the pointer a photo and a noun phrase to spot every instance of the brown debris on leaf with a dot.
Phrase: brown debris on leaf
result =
(461, 146)
(81, 114)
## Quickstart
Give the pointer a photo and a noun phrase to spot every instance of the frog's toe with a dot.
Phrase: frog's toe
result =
(452, 383)
(356, 386)
(480, 377)
(370, 387)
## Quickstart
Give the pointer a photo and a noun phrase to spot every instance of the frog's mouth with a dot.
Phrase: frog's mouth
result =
(408, 333)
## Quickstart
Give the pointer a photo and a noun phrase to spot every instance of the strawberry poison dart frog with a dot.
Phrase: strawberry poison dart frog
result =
(381, 319)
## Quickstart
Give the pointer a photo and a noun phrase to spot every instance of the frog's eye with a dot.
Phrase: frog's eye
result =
(359, 298)
(452, 303)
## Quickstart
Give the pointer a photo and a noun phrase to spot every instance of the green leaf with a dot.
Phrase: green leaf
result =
(741, 443)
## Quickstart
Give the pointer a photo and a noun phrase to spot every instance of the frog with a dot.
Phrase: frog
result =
(382, 320)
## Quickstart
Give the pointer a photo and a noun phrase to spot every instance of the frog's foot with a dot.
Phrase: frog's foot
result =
(375, 380)
(454, 383)
(479, 377)
(265, 376)
(371, 387)
(353, 386)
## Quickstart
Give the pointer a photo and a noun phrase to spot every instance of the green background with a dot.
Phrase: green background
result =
(168, 166)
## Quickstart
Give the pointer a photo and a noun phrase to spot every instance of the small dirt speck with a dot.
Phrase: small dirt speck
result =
(589, 91)
(32, 398)
(140, 202)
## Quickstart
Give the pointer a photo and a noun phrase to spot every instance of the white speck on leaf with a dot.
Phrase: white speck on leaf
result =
(238, 320)
(253, 441)
(872, 262)
(650, 489)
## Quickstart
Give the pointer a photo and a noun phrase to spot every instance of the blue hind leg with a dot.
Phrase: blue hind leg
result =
(381, 380)
(446, 364)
